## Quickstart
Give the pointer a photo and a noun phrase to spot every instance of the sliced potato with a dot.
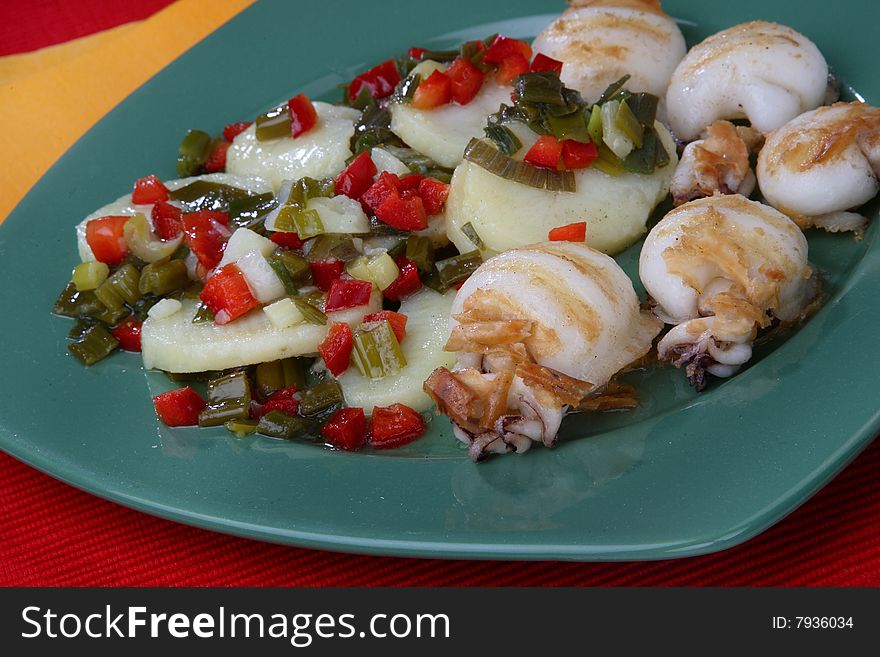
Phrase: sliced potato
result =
(175, 344)
(124, 207)
(508, 215)
(443, 133)
(427, 330)
(319, 153)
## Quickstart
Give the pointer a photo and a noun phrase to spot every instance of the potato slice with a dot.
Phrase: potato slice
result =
(427, 330)
(508, 215)
(318, 153)
(443, 133)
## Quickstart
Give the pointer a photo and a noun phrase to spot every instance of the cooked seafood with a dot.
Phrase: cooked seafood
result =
(822, 164)
(536, 330)
(716, 164)
(718, 269)
(764, 72)
(600, 41)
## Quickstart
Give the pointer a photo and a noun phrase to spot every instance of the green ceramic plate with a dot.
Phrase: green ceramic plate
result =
(682, 475)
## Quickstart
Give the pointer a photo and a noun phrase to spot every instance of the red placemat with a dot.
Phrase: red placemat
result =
(52, 534)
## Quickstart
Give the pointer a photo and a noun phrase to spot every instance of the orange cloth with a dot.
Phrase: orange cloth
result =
(49, 98)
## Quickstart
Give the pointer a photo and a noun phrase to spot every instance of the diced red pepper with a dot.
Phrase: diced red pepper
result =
(233, 130)
(395, 426)
(357, 177)
(578, 155)
(409, 182)
(504, 48)
(128, 333)
(416, 53)
(147, 190)
(404, 211)
(287, 240)
(106, 239)
(433, 194)
(227, 294)
(205, 233)
(303, 116)
(283, 401)
(379, 81)
(348, 293)
(570, 233)
(467, 80)
(545, 153)
(336, 348)
(386, 185)
(397, 321)
(179, 408)
(407, 281)
(433, 92)
(542, 62)
(511, 68)
(216, 161)
(459, 285)
(346, 429)
(167, 220)
(324, 272)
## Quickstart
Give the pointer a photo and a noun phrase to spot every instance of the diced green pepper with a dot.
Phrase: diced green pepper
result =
(229, 398)
(207, 195)
(276, 424)
(120, 288)
(246, 212)
(377, 352)
(193, 152)
(569, 126)
(142, 306)
(644, 107)
(312, 314)
(94, 344)
(203, 314)
(471, 233)
(420, 250)
(594, 125)
(161, 278)
(79, 327)
(457, 268)
(504, 138)
(295, 370)
(274, 124)
(627, 123)
(332, 245)
(269, 378)
(297, 266)
(321, 397)
(283, 275)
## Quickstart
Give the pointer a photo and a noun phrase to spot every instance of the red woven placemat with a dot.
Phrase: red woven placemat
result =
(52, 534)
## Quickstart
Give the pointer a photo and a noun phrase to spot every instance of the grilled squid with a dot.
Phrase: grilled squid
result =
(822, 164)
(719, 269)
(600, 41)
(764, 72)
(536, 331)
(716, 164)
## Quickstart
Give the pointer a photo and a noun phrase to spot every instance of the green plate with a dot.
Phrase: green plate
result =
(682, 475)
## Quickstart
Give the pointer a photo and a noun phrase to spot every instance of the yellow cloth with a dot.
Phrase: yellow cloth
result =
(49, 98)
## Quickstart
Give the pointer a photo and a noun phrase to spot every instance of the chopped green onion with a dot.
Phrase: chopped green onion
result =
(570, 126)
(614, 90)
(594, 125)
(419, 163)
(297, 266)
(241, 428)
(120, 288)
(457, 268)
(420, 250)
(312, 314)
(144, 244)
(89, 275)
(504, 138)
(496, 162)
(627, 123)
(229, 398)
(651, 156)
(94, 344)
(613, 137)
(408, 88)
(442, 56)
(544, 87)
(283, 275)
(276, 424)
(207, 195)
(321, 397)
(377, 352)
(193, 152)
(471, 233)
(274, 124)
(161, 278)
(246, 212)
(79, 327)
(399, 249)
(644, 108)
